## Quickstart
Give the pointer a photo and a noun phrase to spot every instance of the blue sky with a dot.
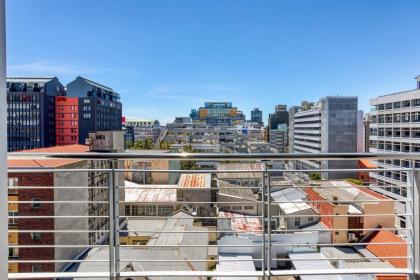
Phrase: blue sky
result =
(166, 57)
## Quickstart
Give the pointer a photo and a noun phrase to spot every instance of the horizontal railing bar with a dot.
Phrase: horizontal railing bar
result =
(287, 216)
(48, 275)
(57, 230)
(55, 217)
(201, 171)
(55, 261)
(208, 231)
(57, 202)
(140, 246)
(51, 170)
(207, 260)
(133, 217)
(340, 229)
(345, 259)
(206, 202)
(341, 215)
(56, 187)
(339, 244)
(215, 156)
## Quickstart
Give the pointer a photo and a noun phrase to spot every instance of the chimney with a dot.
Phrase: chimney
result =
(418, 81)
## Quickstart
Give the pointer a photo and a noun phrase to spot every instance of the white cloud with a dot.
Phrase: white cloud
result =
(55, 68)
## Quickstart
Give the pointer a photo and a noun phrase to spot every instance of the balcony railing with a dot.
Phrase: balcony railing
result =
(92, 215)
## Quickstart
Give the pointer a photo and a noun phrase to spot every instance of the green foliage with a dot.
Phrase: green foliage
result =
(129, 144)
(164, 145)
(143, 144)
(188, 164)
(315, 176)
(355, 181)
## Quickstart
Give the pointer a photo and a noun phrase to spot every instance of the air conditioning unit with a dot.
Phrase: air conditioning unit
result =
(352, 237)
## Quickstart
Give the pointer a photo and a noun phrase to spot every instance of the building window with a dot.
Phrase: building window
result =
(36, 236)
(249, 207)
(36, 268)
(164, 210)
(310, 219)
(35, 203)
(13, 253)
(236, 207)
(12, 221)
(150, 210)
(297, 222)
(337, 233)
(127, 210)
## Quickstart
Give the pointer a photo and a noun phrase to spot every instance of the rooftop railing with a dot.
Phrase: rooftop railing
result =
(249, 216)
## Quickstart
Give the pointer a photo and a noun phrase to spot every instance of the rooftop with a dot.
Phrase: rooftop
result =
(235, 191)
(317, 261)
(249, 169)
(343, 190)
(149, 193)
(390, 250)
(292, 195)
(194, 181)
(235, 262)
(49, 163)
(241, 222)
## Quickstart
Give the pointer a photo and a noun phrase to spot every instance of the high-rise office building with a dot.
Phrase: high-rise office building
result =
(217, 113)
(88, 107)
(280, 116)
(329, 126)
(30, 112)
(394, 128)
(256, 116)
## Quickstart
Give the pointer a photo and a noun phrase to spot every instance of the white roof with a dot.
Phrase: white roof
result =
(317, 260)
(233, 263)
(353, 210)
(149, 193)
(294, 197)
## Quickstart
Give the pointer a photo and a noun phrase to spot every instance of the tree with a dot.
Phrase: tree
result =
(129, 144)
(315, 176)
(188, 164)
(143, 144)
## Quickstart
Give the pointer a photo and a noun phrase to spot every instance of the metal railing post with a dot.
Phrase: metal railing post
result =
(415, 220)
(116, 219)
(268, 184)
(3, 147)
(112, 228)
(263, 254)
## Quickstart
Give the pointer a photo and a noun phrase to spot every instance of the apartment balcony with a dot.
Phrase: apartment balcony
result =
(216, 223)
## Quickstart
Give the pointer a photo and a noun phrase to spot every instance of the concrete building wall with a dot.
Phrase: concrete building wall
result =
(68, 179)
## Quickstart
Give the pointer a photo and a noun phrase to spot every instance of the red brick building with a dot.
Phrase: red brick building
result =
(41, 189)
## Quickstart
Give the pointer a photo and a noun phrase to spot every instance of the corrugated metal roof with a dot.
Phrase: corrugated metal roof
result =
(194, 180)
(318, 261)
(242, 222)
(250, 169)
(232, 263)
(149, 193)
(235, 191)
(294, 197)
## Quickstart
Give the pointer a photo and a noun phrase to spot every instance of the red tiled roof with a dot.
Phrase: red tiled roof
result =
(389, 250)
(74, 148)
(49, 163)
(365, 163)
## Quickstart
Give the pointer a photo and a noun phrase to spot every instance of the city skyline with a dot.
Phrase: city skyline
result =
(169, 59)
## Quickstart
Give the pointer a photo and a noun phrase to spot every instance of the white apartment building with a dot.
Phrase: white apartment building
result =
(395, 128)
